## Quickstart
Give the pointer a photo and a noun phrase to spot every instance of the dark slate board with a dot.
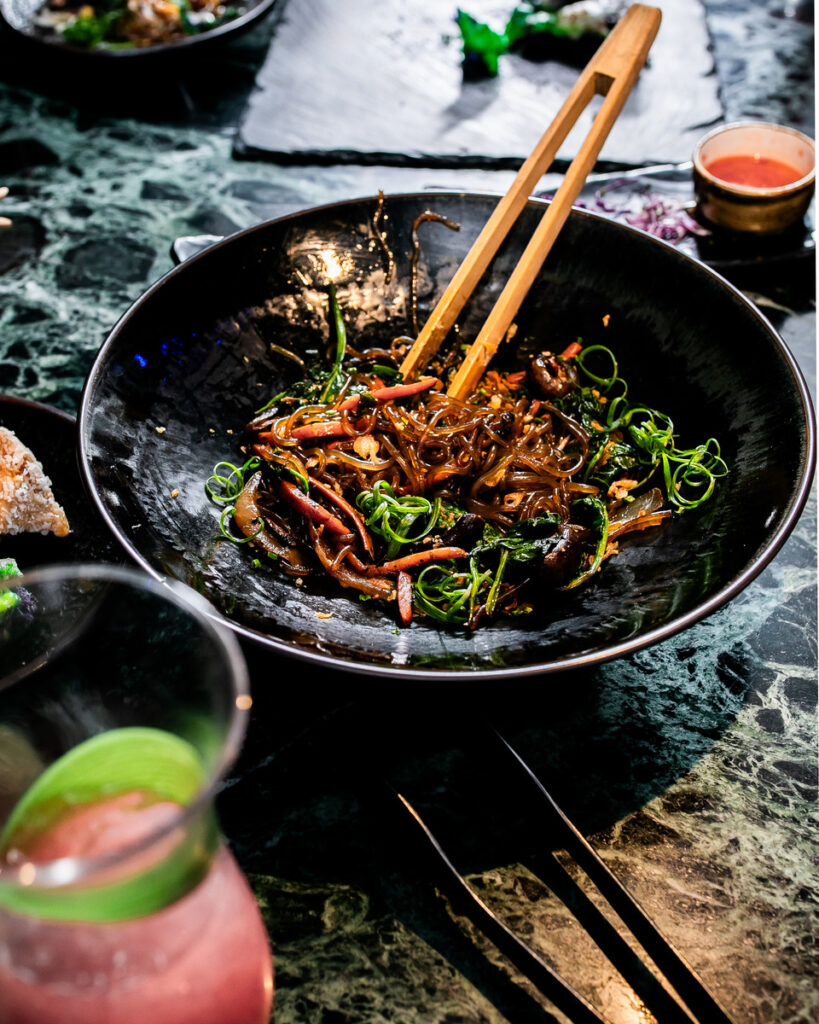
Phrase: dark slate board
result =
(379, 81)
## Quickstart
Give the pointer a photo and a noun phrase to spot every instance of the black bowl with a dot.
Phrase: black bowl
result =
(51, 435)
(21, 17)
(188, 364)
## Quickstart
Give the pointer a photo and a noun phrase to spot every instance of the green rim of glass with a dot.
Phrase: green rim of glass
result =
(94, 889)
(104, 766)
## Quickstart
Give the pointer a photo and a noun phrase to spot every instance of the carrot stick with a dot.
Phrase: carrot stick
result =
(404, 390)
(420, 558)
(403, 589)
(345, 506)
(570, 351)
(313, 511)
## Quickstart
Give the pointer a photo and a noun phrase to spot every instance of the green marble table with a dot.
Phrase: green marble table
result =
(691, 766)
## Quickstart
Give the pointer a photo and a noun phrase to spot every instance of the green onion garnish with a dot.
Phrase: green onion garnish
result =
(224, 488)
(448, 594)
(394, 517)
(649, 442)
(341, 346)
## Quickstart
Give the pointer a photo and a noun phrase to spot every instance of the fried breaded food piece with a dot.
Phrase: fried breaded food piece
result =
(27, 503)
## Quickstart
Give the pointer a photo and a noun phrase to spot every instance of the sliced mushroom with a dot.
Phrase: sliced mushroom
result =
(554, 376)
(563, 561)
(465, 533)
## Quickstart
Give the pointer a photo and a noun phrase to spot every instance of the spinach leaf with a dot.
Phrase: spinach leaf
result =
(340, 329)
(526, 541)
(529, 540)
(597, 519)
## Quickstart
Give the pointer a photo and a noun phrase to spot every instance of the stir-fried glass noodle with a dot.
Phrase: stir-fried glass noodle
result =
(457, 511)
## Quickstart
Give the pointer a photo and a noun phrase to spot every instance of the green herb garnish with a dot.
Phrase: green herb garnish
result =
(224, 488)
(394, 517)
(340, 328)
(625, 437)
(449, 594)
(388, 374)
(600, 525)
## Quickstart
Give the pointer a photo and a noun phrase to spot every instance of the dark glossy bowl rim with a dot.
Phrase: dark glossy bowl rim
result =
(40, 407)
(174, 46)
(586, 660)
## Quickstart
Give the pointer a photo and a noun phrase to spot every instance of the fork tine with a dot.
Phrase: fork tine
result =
(700, 1002)
(665, 1007)
(463, 897)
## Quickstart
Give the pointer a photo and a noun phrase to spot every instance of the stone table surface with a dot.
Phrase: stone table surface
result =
(691, 766)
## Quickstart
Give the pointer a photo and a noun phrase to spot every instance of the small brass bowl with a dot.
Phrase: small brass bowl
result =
(762, 210)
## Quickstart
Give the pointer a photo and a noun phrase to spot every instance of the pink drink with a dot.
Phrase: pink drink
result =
(203, 960)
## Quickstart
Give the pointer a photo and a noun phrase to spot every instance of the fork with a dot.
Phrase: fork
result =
(694, 1003)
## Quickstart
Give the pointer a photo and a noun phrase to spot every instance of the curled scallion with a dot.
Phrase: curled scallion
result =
(224, 488)
(689, 474)
(228, 535)
(448, 594)
(605, 382)
(393, 517)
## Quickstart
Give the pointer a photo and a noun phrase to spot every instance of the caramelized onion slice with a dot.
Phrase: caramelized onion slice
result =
(247, 517)
(639, 514)
(346, 577)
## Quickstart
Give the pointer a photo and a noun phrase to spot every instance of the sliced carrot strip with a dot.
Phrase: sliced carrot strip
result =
(404, 390)
(313, 511)
(403, 589)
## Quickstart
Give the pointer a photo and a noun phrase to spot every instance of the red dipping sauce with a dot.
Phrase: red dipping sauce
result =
(755, 171)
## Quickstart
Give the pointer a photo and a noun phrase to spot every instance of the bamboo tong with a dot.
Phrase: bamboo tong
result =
(611, 73)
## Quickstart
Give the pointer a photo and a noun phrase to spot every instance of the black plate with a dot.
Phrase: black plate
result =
(21, 17)
(51, 436)
(193, 356)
